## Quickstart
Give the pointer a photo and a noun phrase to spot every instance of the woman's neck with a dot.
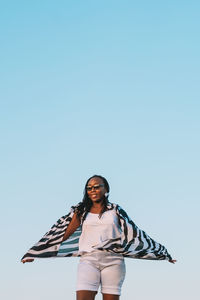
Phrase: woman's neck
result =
(96, 207)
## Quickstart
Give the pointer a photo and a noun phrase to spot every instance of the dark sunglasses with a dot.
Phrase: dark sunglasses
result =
(95, 187)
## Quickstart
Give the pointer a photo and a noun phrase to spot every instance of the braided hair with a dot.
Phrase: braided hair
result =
(86, 203)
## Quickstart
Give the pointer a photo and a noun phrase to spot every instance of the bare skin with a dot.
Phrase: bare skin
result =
(110, 297)
(97, 205)
(95, 195)
(90, 295)
(85, 295)
(73, 225)
(173, 261)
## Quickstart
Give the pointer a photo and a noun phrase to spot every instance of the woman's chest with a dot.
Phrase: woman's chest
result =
(107, 218)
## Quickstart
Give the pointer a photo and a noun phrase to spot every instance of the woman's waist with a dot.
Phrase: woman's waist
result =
(100, 254)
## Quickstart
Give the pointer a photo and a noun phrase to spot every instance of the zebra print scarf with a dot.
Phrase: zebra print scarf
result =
(133, 242)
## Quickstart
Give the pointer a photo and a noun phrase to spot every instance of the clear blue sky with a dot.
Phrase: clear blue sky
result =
(106, 87)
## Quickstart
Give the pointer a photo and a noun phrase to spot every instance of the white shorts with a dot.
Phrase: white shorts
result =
(101, 267)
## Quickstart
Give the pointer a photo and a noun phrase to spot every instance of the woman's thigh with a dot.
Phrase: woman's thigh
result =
(86, 295)
(90, 295)
(88, 277)
(112, 278)
(110, 297)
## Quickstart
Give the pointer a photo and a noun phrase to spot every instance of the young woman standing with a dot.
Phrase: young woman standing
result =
(102, 234)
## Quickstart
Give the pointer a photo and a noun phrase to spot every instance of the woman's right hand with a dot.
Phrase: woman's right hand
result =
(172, 261)
(27, 260)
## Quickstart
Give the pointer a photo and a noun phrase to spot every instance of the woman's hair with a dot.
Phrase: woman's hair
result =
(86, 203)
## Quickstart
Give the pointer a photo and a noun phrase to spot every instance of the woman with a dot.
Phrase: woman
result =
(102, 234)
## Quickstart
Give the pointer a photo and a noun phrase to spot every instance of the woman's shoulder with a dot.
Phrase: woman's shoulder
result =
(76, 208)
(119, 210)
(111, 205)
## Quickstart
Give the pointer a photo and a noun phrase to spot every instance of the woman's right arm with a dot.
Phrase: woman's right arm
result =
(73, 225)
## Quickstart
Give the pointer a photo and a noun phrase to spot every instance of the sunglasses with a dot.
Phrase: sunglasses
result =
(95, 187)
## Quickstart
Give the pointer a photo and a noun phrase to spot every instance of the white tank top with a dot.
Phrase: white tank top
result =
(96, 230)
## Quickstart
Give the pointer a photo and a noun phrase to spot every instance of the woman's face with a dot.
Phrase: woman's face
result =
(96, 189)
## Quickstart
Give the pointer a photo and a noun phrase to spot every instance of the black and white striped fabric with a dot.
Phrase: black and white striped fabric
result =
(133, 242)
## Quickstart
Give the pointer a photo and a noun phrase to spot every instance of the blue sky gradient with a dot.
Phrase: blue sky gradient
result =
(106, 87)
